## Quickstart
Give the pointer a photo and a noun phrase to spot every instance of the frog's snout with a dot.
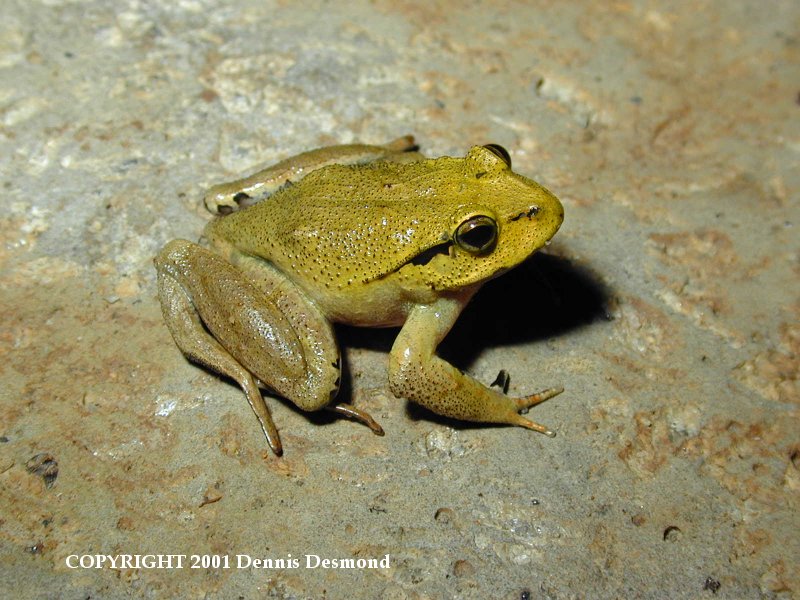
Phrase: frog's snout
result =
(551, 213)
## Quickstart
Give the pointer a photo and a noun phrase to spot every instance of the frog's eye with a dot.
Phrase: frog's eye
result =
(477, 235)
(500, 153)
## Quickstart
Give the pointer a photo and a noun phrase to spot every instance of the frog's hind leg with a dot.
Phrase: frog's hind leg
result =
(319, 384)
(226, 198)
(195, 342)
(405, 143)
(250, 322)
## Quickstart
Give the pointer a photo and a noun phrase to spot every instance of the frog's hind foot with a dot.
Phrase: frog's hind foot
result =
(405, 143)
(357, 414)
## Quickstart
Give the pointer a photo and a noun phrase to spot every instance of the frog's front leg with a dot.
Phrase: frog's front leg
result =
(229, 197)
(256, 334)
(416, 373)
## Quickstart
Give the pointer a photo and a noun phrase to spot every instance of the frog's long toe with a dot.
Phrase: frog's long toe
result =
(351, 411)
(503, 381)
(537, 398)
(523, 422)
(261, 410)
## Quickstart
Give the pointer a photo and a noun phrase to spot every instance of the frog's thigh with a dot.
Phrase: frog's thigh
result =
(416, 373)
(296, 357)
(313, 332)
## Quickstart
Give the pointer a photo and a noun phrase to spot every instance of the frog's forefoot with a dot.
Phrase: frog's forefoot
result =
(523, 404)
(523, 422)
(352, 412)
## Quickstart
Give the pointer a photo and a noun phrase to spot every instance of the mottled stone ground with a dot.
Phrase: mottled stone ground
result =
(667, 306)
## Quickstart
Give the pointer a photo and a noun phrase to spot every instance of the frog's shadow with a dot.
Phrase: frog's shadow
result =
(543, 298)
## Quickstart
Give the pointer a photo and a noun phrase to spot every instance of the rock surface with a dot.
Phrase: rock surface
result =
(667, 305)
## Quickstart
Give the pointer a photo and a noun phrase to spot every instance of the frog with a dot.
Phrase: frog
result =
(365, 235)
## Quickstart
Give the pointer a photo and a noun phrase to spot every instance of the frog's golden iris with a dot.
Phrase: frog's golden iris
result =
(477, 235)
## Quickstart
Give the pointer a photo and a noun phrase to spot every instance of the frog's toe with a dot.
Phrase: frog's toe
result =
(260, 408)
(537, 398)
(359, 415)
(403, 144)
(527, 424)
(274, 442)
(503, 380)
(523, 404)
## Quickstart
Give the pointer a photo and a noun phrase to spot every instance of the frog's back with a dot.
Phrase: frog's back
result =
(347, 222)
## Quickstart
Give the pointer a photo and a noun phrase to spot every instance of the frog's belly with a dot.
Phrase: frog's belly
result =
(380, 303)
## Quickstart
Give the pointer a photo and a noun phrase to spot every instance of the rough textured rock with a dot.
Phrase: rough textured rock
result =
(667, 306)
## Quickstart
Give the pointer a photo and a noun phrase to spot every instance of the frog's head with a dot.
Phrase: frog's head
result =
(495, 219)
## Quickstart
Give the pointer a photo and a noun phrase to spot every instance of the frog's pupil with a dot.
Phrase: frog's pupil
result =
(478, 236)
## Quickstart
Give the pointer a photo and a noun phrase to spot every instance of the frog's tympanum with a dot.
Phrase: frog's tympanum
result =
(373, 236)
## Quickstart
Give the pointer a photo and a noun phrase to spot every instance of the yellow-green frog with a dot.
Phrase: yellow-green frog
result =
(372, 236)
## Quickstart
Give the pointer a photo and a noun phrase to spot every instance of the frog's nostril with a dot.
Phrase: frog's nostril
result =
(530, 213)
